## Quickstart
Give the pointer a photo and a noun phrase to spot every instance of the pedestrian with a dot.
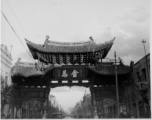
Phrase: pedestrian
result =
(123, 115)
(132, 116)
(44, 116)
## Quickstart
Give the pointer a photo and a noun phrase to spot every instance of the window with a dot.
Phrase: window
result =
(138, 77)
(6, 79)
(2, 83)
(143, 77)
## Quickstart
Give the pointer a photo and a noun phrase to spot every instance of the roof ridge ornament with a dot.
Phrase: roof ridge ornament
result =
(19, 59)
(120, 61)
(16, 64)
(46, 41)
(47, 37)
(91, 39)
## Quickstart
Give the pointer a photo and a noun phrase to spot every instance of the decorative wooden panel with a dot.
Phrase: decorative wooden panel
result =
(105, 92)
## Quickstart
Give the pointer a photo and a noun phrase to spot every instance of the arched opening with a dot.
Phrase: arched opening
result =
(74, 101)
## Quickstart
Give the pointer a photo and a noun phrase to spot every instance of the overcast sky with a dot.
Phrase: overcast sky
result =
(76, 20)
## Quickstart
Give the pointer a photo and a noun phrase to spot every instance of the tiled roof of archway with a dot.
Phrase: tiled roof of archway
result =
(69, 47)
(25, 71)
(109, 69)
(104, 69)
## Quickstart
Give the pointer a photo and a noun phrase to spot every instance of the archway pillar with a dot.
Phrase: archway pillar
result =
(21, 112)
(93, 99)
(47, 99)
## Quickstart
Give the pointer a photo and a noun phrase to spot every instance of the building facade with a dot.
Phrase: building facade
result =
(5, 72)
(6, 62)
(141, 87)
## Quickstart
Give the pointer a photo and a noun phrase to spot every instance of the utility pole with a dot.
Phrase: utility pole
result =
(145, 57)
(117, 93)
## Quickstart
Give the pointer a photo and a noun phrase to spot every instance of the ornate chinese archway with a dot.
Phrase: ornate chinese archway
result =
(74, 64)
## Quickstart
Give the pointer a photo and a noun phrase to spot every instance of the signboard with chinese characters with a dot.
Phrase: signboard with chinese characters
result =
(70, 72)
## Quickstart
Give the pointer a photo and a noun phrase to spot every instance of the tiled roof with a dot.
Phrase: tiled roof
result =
(59, 47)
(25, 71)
(109, 69)
(57, 43)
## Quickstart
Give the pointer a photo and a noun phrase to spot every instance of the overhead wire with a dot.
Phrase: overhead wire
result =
(16, 34)
(16, 18)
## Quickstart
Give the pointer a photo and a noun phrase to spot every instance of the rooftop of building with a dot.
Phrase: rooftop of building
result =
(142, 58)
(5, 50)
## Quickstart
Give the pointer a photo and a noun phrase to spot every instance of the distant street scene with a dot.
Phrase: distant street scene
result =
(75, 59)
